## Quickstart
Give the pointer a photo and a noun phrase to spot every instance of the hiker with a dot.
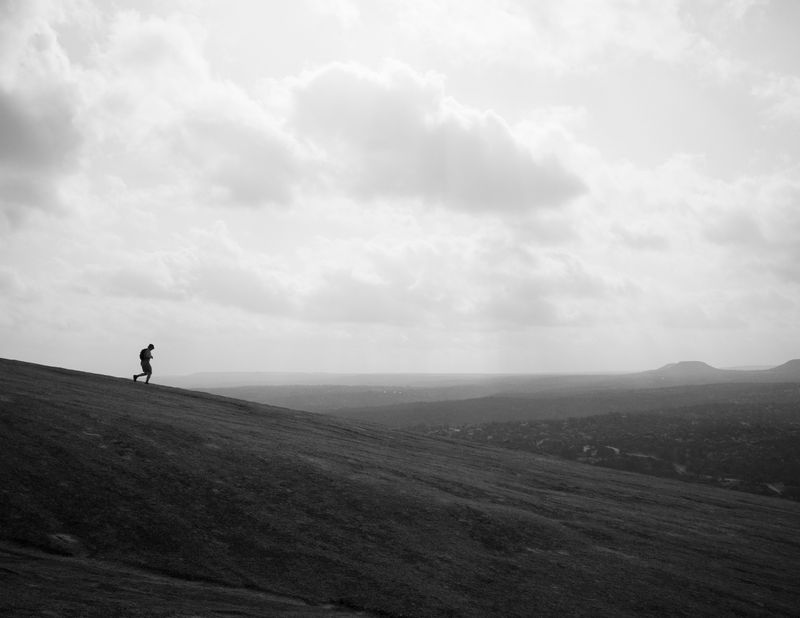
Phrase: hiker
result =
(145, 355)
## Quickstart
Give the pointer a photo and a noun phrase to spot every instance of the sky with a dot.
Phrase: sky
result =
(399, 185)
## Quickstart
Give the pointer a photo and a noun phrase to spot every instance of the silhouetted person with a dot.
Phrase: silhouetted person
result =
(145, 355)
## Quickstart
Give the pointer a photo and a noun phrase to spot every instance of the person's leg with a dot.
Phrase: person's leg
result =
(145, 371)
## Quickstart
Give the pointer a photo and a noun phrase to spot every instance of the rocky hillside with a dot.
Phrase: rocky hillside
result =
(115, 495)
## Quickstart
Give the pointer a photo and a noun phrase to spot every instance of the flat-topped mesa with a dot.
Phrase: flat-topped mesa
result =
(688, 368)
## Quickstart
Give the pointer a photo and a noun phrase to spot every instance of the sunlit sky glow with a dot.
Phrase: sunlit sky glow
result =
(399, 185)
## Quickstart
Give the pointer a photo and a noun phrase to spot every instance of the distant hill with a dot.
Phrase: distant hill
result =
(789, 370)
(698, 372)
(119, 498)
(690, 370)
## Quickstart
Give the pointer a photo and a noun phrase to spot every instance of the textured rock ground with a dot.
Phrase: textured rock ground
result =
(233, 500)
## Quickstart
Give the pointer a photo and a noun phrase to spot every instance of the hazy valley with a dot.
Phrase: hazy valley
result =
(402, 400)
(737, 429)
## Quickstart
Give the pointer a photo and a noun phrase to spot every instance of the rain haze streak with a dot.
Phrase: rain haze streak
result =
(352, 186)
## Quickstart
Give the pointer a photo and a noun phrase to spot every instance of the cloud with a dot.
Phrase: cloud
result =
(577, 31)
(780, 221)
(382, 208)
(237, 286)
(752, 225)
(204, 267)
(739, 229)
(165, 278)
(40, 142)
(237, 155)
(394, 134)
(147, 279)
(524, 287)
(37, 133)
(11, 284)
(435, 281)
(487, 281)
(561, 36)
(148, 110)
(155, 95)
(346, 297)
(345, 12)
(781, 95)
(700, 315)
(640, 238)
(524, 303)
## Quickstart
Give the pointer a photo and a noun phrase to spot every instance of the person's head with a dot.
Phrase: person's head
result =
(151, 347)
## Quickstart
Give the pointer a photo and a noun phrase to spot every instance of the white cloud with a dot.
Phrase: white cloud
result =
(561, 36)
(639, 237)
(37, 129)
(345, 12)
(160, 117)
(143, 280)
(781, 94)
(237, 154)
(367, 134)
(204, 265)
(347, 298)
(395, 134)
(40, 142)
(14, 286)
(580, 31)
(696, 315)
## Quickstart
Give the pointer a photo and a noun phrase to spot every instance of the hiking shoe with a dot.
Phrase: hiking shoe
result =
(134, 378)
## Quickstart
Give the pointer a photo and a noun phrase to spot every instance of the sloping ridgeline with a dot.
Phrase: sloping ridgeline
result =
(245, 507)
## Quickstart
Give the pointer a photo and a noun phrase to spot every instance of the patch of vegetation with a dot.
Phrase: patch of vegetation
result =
(752, 447)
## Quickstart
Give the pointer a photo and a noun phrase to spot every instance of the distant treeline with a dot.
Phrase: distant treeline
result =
(748, 446)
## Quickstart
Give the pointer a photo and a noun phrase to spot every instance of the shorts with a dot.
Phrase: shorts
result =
(146, 367)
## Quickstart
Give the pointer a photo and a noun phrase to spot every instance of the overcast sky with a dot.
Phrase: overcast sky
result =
(399, 185)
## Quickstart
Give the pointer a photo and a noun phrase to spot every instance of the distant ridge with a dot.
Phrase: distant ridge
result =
(408, 399)
(687, 372)
(790, 368)
(689, 368)
(682, 372)
(699, 372)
